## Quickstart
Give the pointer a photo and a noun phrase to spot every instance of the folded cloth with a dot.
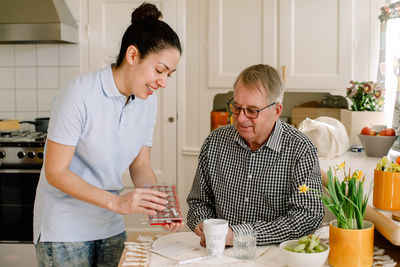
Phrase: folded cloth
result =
(328, 135)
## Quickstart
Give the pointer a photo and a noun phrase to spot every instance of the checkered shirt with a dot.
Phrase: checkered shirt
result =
(258, 190)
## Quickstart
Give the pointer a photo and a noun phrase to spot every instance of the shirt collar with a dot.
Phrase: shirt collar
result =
(108, 84)
(274, 140)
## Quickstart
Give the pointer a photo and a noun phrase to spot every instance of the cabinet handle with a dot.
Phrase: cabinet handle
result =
(171, 119)
(284, 73)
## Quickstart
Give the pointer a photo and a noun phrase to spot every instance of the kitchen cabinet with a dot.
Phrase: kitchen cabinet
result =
(311, 41)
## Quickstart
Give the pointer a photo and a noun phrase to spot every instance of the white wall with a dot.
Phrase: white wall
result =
(31, 74)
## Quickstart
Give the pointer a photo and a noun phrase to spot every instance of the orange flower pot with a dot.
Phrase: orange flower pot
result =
(386, 194)
(353, 248)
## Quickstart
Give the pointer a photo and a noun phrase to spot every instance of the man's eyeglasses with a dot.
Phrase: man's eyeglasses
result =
(250, 113)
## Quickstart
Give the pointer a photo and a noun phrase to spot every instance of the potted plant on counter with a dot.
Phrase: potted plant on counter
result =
(366, 105)
(351, 238)
(365, 96)
(386, 194)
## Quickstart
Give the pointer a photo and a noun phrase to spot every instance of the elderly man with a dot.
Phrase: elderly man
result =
(249, 173)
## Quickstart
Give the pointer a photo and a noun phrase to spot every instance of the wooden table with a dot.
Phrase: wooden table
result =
(391, 250)
(134, 237)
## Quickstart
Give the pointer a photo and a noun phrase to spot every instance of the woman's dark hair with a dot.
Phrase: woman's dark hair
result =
(147, 33)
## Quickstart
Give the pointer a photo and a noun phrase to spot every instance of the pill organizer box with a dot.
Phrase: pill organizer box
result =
(172, 212)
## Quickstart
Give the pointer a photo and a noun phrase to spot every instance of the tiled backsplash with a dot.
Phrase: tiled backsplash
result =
(30, 76)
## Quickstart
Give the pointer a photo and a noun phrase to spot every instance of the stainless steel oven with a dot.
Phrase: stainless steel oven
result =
(21, 158)
(18, 189)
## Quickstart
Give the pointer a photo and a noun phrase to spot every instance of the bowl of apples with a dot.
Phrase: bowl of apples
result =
(377, 141)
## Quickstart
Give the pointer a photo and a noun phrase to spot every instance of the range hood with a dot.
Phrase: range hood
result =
(37, 21)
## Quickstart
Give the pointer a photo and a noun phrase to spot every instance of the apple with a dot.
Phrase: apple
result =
(387, 132)
(398, 160)
(367, 131)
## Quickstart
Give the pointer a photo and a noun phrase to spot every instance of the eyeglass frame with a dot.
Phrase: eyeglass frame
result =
(244, 109)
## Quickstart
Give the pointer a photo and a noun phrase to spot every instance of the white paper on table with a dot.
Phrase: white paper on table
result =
(189, 248)
(174, 250)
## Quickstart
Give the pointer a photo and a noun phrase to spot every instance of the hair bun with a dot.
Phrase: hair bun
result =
(145, 11)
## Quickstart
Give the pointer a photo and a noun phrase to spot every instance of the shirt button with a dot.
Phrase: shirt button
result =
(250, 176)
(246, 199)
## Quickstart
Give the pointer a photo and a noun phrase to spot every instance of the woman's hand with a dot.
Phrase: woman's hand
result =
(140, 200)
(174, 227)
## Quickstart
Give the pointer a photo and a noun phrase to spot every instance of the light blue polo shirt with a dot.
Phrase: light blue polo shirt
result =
(90, 114)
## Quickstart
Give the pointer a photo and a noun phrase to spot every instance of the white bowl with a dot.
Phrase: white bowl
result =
(376, 146)
(295, 259)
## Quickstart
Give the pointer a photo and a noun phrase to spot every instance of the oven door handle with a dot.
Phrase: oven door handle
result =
(20, 170)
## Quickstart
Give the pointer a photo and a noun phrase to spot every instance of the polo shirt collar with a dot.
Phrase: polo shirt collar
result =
(108, 84)
(274, 140)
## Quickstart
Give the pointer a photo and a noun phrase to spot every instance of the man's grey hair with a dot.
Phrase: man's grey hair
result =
(265, 78)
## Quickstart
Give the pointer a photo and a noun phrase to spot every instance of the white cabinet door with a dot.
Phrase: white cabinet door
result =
(311, 39)
(108, 20)
(316, 43)
(241, 33)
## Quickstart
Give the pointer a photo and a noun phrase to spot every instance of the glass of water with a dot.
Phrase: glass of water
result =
(244, 245)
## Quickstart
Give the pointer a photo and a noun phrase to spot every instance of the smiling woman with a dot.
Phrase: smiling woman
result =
(102, 124)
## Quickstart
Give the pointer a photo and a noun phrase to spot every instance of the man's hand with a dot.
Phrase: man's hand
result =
(229, 238)
(141, 200)
(199, 231)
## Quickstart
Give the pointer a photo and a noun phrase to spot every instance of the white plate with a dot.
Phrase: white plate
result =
(188, 246)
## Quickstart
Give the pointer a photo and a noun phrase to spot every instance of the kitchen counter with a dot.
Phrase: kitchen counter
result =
(382, 220)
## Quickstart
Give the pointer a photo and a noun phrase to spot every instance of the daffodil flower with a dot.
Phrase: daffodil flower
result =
(303, 188)
(341, 166)
(358, 175)
(344, 199)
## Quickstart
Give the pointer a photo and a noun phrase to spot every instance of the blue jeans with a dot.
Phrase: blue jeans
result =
(101, 253)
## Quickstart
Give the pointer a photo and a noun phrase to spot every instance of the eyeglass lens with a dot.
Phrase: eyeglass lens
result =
(248, 112)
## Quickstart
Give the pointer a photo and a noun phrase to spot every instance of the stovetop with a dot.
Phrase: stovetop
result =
(21, 138)
(21, 149)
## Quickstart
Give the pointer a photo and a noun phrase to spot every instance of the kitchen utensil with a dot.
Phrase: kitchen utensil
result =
(41, 124)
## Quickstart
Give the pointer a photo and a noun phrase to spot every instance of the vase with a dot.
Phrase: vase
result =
(354, 121)
(386, 194)
(351, 247)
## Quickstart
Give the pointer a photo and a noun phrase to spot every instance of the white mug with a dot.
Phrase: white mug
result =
(215, 231)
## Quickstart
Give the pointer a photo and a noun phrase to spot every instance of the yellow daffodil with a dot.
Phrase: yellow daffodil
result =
(303, 188)
(345, 197)
(341, 166)
(358, 175)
